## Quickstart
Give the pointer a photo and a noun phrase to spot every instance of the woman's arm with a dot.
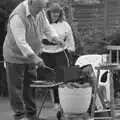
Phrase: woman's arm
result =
(69, 40)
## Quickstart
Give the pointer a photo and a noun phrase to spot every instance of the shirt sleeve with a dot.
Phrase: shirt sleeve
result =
(44, 27)
(19, 31)
(70, 43)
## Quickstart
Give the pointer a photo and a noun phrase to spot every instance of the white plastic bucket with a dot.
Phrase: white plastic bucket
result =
(75, 100)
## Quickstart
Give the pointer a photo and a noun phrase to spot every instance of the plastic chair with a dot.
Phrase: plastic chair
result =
(96, 60)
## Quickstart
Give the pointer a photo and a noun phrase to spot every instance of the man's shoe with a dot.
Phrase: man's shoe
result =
(24, 119)
(35, 118)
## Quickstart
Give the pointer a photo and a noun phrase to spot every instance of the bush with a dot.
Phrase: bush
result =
(93, 40)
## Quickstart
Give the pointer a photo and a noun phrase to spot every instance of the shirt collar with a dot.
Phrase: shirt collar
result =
(25, 3)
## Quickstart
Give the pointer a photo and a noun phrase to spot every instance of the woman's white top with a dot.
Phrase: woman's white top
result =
(64, 32)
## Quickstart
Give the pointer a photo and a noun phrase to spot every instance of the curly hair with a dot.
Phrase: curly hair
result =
(55, 7)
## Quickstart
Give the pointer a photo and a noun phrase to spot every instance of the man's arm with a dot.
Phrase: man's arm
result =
(44, 26)
(19, 33)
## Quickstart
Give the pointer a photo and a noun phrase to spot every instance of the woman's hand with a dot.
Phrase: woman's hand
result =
(61, 44)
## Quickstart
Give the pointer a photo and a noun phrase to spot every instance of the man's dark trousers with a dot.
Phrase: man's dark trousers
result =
(19, 78)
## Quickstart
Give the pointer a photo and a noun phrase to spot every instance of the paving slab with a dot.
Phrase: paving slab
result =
(48, 112)
(6, 112)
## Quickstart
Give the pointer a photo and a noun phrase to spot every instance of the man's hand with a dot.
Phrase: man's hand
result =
(58, 41)
(36, 60)
(55, 40)
(40, 63)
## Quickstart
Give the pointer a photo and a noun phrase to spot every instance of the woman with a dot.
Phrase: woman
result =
(54, 55)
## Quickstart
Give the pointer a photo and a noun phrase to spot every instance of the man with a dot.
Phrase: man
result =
(21, 47)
